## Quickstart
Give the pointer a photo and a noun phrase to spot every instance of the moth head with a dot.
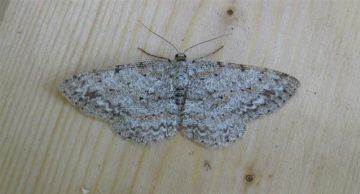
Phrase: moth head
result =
(180, 57)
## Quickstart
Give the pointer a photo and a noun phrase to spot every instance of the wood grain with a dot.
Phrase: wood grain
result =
(309, 146)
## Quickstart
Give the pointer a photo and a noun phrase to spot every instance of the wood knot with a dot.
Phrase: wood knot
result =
(230, 12)
(249, 178)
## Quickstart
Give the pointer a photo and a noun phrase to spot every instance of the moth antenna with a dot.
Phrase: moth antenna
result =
(152, 55)
(205, 42)
(159, 36)
(215, 51)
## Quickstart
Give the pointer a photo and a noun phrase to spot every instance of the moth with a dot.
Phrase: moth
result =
(209, 102)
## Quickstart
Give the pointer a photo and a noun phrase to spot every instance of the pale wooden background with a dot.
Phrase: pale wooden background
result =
(310, 146)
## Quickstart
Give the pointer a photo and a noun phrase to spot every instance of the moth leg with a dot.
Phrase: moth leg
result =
(152, 55)
(215, 51)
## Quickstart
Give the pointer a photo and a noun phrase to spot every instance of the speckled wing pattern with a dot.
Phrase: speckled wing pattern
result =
(137, 99)
(222, 98)
(209, 102)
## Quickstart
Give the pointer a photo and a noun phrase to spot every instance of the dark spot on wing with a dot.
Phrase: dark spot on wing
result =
(117, 70)
(141, 64)
(268, 93)
(242, 68)
(76, 77)
(283, 75)
(221, 64)
(92, 94)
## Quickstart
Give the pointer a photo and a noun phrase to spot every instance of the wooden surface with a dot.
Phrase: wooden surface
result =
(310, 146)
